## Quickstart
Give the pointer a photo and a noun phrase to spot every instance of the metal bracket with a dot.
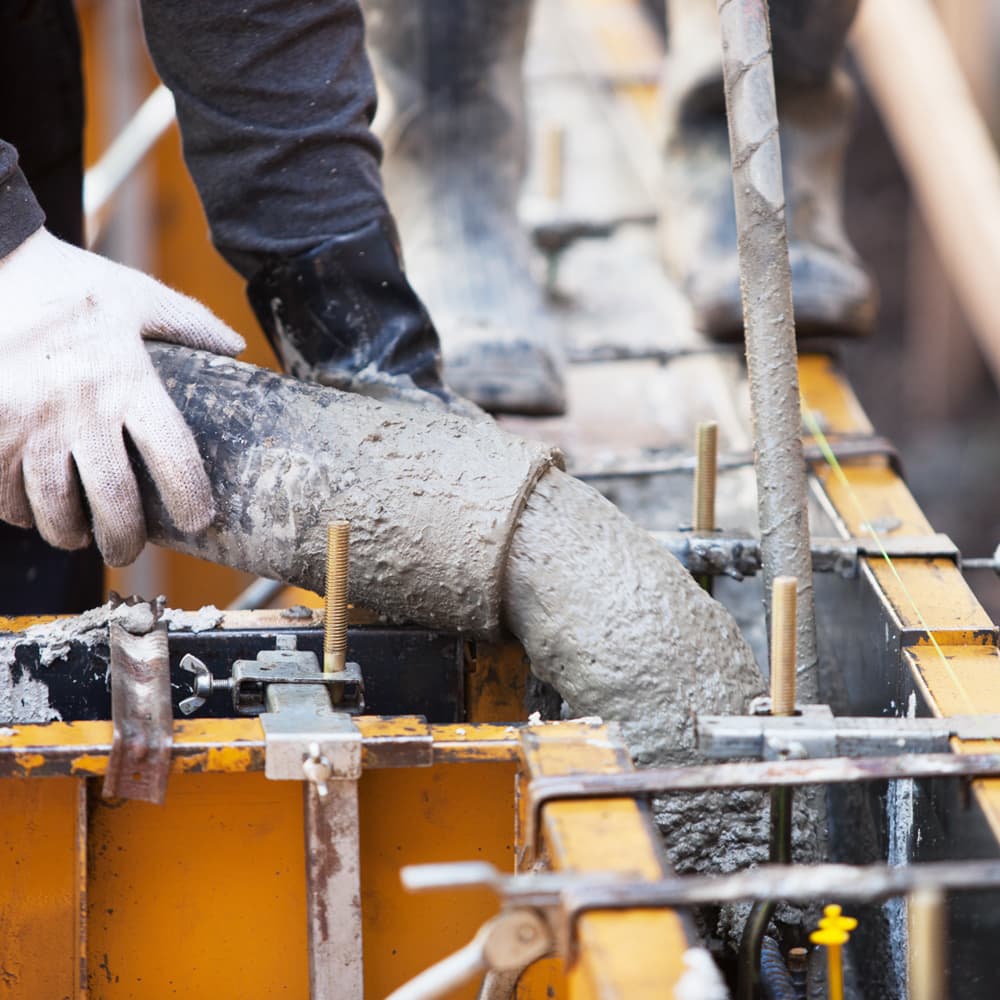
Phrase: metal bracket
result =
(141, 712)
(843, 556)
(304, 736)
(562, 898)
(307, 740)
(815, 732)
(285, 665)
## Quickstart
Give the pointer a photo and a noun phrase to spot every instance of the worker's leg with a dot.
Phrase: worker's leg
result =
(42, 115)
(832, 291)
(275, 103)
(453, 125)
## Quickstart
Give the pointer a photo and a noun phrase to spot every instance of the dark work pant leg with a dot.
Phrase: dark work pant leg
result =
(808, 38)
(41, 113)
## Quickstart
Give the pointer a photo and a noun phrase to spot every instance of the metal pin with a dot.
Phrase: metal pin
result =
(335, 607)
(705, 472)
(784, 603)
(928, 929)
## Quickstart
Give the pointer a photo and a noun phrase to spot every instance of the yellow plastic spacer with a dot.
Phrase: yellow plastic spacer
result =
(833, 918)
(829, 936)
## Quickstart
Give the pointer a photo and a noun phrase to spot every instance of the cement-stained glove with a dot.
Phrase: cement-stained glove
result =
(75, 380)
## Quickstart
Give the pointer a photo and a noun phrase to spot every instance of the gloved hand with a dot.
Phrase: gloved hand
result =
(75, 378)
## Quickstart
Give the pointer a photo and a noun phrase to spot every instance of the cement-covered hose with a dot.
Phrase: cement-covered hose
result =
(457, 525)
(432, 499)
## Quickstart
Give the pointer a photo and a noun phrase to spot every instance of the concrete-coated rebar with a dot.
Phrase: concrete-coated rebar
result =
(769, 324)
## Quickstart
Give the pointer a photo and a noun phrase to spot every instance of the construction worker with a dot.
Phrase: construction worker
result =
(832, 291)
(274, 107)
(453, 126)
(452, 121)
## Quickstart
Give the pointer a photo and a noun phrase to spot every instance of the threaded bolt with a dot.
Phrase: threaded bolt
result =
(335, 607)
(784, 602)
(928, 928)
(705, 471)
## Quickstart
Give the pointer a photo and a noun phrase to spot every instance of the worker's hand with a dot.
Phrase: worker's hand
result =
(75, 380)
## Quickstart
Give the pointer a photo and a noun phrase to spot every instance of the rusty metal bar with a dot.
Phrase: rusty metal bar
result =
(845, 448)
(564, 897)
(333, 881)
(139, 762)
(82, 749)
(766, 283)
(774, 774)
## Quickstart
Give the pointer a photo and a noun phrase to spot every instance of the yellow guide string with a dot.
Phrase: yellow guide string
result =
(809, 418)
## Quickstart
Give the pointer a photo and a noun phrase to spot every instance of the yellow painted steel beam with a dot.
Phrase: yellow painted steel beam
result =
(961, 674)
(634, 954)
(81, 749)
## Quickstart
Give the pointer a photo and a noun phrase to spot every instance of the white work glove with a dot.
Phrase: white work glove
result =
(74, 378)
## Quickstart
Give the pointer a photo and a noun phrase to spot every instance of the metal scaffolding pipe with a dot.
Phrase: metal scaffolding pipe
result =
(766, 284)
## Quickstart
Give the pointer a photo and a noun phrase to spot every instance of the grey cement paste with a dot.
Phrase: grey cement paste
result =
(622, 631)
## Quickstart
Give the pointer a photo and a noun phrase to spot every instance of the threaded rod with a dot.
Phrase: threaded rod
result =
(706, 450)
(335, 607)
(784, 606)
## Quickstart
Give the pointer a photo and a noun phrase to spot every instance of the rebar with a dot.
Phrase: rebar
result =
(705, 474)
(769, 324)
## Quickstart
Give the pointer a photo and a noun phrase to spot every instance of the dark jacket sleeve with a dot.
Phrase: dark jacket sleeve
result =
(20, 213)
(274, 100)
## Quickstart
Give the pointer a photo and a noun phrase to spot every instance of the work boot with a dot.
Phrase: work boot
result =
(832, 292)
(452, 124)
(345, 315)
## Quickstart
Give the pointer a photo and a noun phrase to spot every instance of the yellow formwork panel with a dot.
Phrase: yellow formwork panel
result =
(830, 397)
(41, 888)
(203, 896)
(496, 681)
(451, 812)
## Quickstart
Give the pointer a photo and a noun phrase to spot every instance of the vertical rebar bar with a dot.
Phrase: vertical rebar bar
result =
(335, 604)
(766, 285)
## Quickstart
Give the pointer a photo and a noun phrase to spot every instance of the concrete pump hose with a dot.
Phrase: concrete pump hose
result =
(457, 525)
(432, 498)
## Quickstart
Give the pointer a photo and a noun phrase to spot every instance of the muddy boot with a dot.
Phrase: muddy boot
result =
(833, 293)
(452, 123)
(345, 315)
